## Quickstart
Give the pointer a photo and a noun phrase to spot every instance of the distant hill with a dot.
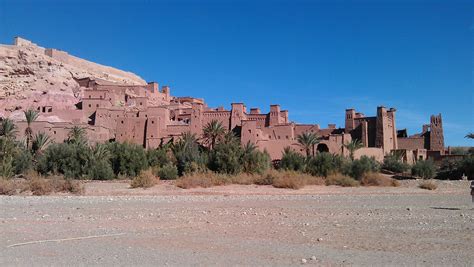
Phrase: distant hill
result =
(30, 73)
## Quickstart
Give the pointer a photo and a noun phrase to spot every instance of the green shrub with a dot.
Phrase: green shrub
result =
(466, 166)
(425, 169)
(100, 170)
(157, 157)
(324, 164)
(394, 164)
(362, 166)
(449, 169)
(127, 159)
(6, 167)
(255, 162)
(69, 159)
(167, 172)
(186, 152)
(226, 157)
(292, 160)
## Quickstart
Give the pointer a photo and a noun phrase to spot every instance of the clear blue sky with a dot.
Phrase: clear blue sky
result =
(315, 58)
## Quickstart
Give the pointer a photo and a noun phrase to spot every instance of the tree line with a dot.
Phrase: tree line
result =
(218, 150)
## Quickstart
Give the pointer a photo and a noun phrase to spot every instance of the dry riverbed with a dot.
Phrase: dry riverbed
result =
(240, 225)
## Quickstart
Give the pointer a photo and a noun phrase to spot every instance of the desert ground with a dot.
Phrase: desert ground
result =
(240, 225)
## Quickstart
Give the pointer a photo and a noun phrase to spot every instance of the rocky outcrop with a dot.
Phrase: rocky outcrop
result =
(30, 74)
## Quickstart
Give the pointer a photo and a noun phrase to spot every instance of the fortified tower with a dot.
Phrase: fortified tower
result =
(436, 133)
(385, 135)
(350, 116)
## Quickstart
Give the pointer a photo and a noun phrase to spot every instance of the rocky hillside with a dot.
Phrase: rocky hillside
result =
(30, 73)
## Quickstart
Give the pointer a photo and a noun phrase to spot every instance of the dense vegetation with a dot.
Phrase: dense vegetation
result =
(218, 154)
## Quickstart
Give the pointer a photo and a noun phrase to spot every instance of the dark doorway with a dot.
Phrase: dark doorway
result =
(322, 148)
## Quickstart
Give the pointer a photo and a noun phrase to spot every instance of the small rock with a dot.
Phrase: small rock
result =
(408, 208)
(320, 239)
(304, 261)
(313, 258)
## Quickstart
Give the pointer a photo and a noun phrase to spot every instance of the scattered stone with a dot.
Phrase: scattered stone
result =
(304, 261)
(313, 258)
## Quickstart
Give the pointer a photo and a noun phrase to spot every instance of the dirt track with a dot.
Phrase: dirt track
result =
(241, 225)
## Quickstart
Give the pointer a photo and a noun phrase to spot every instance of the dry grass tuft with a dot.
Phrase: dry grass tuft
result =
(267, 178)
(279, 179)
(204, 180)
(295, 180)
(68, 186)
(7, 187)
(145, 179)
(428, 185)
(242, 178)
(376, 179)
(341, 180)
(39, 185)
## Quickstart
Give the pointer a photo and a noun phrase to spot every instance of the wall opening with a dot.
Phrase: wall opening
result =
(322, 148)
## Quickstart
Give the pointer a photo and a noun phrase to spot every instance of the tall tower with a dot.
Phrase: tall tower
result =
(385, 135)
(350, 116)
(237, 114)
(436, 133)
(274, 115)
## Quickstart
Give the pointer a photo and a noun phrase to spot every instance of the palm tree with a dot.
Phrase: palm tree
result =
(100, 152)
(30, 115)
(212, 132)
(8, 129)
(249, 148)
(470, 135)
(40, 142)
(77, 135)
(308, 141)
(352, 146)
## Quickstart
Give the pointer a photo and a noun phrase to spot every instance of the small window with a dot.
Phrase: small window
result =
(54, 132)
(141, 103)
(122, 122)
(90, 105)
(97, 105)
(152, 122)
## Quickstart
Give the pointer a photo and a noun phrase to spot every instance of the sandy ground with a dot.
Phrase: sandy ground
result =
(240, 225)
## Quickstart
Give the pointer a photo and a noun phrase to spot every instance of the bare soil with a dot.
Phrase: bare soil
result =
(240, 225)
